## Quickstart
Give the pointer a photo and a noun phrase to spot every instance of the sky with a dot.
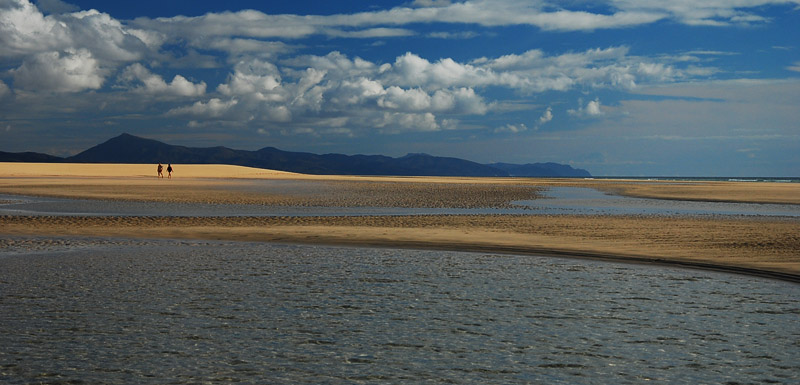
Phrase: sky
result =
(616, 87)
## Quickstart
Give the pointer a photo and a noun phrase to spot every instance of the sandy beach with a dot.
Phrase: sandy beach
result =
(757, 245)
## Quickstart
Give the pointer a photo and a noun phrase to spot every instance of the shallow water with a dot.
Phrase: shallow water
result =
(116, 311)
(560, 200)
(587, 201)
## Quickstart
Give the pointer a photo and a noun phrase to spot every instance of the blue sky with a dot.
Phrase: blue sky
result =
(618, 87)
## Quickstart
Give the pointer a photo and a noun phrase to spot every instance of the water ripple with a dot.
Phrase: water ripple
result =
(166, 312)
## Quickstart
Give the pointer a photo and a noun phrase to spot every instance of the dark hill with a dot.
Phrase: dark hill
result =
(541, 170)
(29, 157)
(132, 149)
(127, 148)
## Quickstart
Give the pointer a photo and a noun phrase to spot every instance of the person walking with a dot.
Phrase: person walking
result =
(160, 168)
(169, 171)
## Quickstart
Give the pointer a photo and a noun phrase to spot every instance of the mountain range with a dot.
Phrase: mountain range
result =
(128, 148)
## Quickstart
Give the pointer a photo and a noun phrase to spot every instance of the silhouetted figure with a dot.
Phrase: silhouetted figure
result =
(169, 171)
(160, 167)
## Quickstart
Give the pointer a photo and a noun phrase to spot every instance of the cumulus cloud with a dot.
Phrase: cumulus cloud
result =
(394, 122)
(461, 100)
(413, 70)
(155, 85)
(213, 108)
(70, 71)
(307, 90)
(533, 71)
(546, 116)
(25, 30)
(591, 109)
(66, 51)
(361, 93)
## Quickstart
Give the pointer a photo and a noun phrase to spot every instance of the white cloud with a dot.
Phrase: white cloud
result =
(546, 116)
(613, 67)
(107, 38)
(511, 128)
(707, 12)
(214, 108)
(395, 122)
(460, 100)
(70, 71)
(257, 77)
(155, 85)
(794, 67)
(413, 70)
(306, 90)
(397, 98)
(63, 51)
(24, 31)
(591, 109)
(555, 17)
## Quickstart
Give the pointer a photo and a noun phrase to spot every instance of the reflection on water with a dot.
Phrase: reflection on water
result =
(587, 201)
(161, 312)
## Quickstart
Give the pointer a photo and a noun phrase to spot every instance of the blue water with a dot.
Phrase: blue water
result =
(154, 312)
(587, 201)
(753, 179)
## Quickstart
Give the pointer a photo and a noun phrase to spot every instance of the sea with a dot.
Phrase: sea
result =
(778, 179)
(112, 311)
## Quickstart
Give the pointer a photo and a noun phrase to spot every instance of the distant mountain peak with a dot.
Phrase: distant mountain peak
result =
(127, 148)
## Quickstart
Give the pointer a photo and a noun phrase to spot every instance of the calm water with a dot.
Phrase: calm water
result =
(562, 200)
(587, 201)
(107, 311)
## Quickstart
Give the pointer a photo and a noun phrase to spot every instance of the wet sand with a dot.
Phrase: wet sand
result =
(765, 245)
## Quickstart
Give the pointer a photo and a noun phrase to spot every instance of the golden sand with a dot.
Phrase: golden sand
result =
(764, 244)
(139, 181)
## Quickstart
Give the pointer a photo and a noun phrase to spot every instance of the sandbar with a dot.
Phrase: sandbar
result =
(768, 246)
